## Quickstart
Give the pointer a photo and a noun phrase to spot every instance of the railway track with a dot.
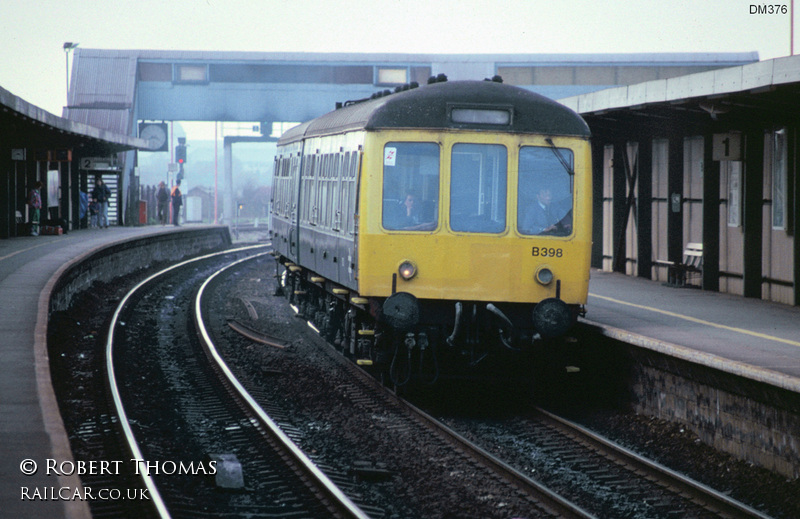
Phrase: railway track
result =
(600, 478)
(398, 439)
(185, 418)
(452, 470)
(708, 500)
(605, 478)
(543, 500)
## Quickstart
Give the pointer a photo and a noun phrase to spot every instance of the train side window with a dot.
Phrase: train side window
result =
(308, 189)
(478, 180)
(323, 190)
(333, 193)
(544, 194)
(410, 186)
(341, 201)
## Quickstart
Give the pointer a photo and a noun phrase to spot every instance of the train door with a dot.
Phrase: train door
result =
(326, 237)
(346, 247)
(294, 204)
(308, 210)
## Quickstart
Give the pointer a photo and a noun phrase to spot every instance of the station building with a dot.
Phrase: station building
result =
(708, 159)
(36, 145)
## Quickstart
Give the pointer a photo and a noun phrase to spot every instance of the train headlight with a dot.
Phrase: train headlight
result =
(407, 270)
(544, 275)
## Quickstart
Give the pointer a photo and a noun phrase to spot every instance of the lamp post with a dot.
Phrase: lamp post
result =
(68, 46)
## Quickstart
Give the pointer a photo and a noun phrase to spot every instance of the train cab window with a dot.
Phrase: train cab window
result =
(545, 193)
(478, 181)
(410, 186)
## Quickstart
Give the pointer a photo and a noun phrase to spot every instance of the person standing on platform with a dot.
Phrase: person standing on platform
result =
(162, 201)
(102, 194)
(83, 209)
(94, 208)
(177, 202)
(35, 201)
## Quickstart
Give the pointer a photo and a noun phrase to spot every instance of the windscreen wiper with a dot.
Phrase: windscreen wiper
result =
(560, 157)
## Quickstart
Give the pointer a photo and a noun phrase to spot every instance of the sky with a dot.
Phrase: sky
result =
(33, 32)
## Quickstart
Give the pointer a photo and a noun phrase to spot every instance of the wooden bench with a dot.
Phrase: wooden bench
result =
(678, 274)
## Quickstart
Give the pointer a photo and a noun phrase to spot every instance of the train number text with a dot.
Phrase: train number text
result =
(547, 252)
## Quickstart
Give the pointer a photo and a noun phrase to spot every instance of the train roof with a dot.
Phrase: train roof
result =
(430, 106)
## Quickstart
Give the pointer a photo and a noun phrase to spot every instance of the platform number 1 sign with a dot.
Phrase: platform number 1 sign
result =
(727, 146)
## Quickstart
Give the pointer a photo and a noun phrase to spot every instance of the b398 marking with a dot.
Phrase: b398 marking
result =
(547, 252)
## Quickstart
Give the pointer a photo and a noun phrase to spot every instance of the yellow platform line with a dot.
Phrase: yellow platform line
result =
(700, 321)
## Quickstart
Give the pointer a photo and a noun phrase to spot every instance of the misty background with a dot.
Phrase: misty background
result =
(205, 165)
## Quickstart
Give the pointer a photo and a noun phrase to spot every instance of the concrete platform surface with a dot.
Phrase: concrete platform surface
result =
(31, 429)
(751, 337)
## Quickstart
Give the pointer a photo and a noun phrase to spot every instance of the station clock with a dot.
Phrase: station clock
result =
(155, 134)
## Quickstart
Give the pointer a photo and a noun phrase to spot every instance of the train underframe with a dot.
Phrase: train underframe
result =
(444, 340)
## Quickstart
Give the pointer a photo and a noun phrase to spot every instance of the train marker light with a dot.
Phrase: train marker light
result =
(544, 275)
(407, 270)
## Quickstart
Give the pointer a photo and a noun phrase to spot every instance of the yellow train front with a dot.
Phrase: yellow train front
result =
(439, 230)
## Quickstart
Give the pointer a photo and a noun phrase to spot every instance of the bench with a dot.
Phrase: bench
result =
(678, 274)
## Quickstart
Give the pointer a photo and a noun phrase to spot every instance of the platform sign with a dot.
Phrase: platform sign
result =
(99, 163)
(727, 146)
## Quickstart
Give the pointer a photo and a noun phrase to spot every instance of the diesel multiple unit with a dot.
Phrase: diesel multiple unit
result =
(431, 229)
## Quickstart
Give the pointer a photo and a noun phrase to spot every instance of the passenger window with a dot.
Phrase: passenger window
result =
(478, 179)
(544, 203)
(410, 186)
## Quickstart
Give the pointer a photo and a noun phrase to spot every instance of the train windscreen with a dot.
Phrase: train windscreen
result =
(478, 179)
(410, 186)
(544, 198)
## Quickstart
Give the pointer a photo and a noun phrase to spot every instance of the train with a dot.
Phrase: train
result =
(436, 230)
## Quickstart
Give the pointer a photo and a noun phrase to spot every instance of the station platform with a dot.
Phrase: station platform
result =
(31, 429)
(756, 339)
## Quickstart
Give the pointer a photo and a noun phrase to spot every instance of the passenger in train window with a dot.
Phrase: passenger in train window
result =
(544, 218)
(401, 215)
(406, 216)
(409, 212)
